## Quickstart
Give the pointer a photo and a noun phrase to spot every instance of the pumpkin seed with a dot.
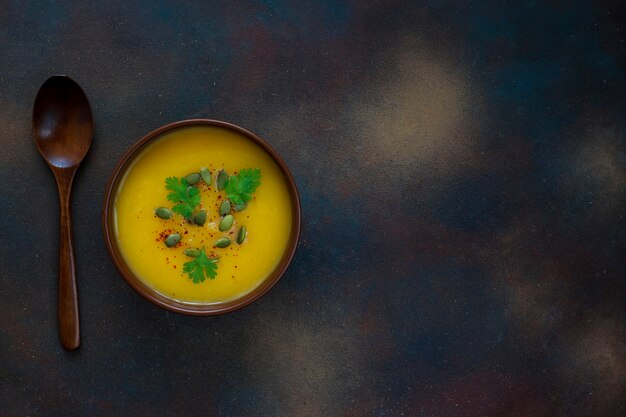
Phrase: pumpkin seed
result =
(200, 218)
(193, 179)
(241, 236)
(225, 208)
(163, 213)
(222, 242)
(227, 222)
(193, 253)
(205, 174)
(172, 240)
(222, 178)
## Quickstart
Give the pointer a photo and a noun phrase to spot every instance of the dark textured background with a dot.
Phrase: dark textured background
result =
(463, 179)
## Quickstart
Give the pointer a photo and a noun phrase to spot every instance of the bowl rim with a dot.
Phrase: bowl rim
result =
(169, 303)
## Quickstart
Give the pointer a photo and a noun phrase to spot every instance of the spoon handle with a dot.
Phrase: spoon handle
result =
(68, 296)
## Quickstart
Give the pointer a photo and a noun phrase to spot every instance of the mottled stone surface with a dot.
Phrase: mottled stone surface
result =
(462, 171)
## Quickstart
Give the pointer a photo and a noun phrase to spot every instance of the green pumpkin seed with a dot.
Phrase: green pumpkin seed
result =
(241, 207)
(205, 174)
(193, 253)
(222, 242)
(224, 208)
(163, 213)
(227, 222)
(172, 240)
(193, 179)
(222, 178)
(200, 218)
(241, 236)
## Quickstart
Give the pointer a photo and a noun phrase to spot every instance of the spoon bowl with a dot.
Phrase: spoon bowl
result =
(63, 129)
(62, 122)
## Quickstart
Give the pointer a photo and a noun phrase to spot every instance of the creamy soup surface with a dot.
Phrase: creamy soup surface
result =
(140, 233)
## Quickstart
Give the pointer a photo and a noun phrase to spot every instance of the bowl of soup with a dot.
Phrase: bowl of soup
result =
(201, 217)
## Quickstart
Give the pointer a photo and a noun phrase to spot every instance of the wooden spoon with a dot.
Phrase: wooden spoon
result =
(63, 129)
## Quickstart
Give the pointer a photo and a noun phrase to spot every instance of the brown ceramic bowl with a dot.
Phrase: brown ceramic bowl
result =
(160, 299)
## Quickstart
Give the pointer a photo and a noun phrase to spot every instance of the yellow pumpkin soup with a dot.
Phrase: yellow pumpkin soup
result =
(203, 215)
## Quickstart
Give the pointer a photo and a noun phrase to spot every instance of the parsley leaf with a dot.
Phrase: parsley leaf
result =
(240, 187)
(201, 268)
(186, 197)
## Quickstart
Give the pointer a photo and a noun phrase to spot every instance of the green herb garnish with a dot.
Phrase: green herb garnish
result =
(186, 197)
(201, 268)
(240, 187)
